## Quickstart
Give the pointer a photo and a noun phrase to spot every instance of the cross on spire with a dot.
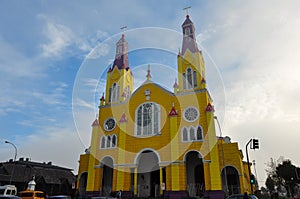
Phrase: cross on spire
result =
(187, 9)
(123, 28)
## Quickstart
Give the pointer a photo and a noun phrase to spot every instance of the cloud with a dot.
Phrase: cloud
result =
(257, 53)
(59, 38)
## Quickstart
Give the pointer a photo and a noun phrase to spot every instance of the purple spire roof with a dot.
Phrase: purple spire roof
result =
(121, 58)
(189, 39)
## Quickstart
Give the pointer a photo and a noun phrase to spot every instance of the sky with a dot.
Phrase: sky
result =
(54, 56)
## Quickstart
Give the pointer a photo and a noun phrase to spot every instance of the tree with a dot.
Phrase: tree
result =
(281, 175)
(270, 184)
(287, 176)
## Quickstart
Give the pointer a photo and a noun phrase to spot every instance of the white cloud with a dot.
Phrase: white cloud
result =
(59, 38)
(257, 53)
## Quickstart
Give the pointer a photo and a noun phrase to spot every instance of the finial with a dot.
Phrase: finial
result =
(187, 10)
(123, 28)
(148, 73)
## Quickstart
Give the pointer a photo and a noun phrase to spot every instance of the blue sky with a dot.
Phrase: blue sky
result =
(46, 59)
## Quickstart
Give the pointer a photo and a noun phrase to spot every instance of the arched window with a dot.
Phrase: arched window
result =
(147, 119)
(184, 134)
(199, 133)
(184, 80)
(192, 134)
(187, 31)
(114, 141)
(189, 78)
(114, 92)
(127, 91)
(102, 145)
(195, 79)
(108, 141)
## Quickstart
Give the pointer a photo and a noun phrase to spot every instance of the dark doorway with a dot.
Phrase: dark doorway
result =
(195, 174)
(107, 176)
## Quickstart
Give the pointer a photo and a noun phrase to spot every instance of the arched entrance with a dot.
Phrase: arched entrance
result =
(233, 181)
(82, 183)
(107, 175)
(148, 174)
(194, 173)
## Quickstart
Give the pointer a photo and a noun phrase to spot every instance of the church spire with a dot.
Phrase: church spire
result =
(189, 38)
(148, 73)
(121, 58)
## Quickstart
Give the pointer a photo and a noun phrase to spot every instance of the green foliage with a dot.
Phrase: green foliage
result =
(281, 174)
(270, 184)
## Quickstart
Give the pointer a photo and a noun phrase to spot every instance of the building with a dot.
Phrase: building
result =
(51, 179)
(154, 142)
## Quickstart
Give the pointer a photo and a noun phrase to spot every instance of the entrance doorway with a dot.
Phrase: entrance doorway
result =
(107, 176)
(82, 183)
(194, 174)
(148, 174)
(233, 181)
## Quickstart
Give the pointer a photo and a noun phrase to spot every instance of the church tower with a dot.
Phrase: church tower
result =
(191, 70)
(119, 79)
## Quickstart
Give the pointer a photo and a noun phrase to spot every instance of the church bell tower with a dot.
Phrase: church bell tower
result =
(119, 79)
(191, 69)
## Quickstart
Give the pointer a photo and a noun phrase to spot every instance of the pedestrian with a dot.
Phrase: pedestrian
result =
(119, 194)
(245, 196)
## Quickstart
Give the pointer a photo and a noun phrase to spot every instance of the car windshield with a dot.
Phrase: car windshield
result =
(26, 194)
(40, 195)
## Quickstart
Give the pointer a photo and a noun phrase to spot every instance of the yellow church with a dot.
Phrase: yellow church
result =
(152, 142)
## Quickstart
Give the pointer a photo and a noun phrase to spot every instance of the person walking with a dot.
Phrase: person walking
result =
(245, 196)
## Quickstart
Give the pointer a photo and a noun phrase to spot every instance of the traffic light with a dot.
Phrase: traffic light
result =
(255, 144)
(252, 179)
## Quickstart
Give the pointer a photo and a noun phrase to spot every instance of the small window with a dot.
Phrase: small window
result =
(184, 134)
(187, 31)
(195, 79)
(184, 80)
(102, 146)
(192, 134)
(199, 133)
(114, 141)
(108, 142)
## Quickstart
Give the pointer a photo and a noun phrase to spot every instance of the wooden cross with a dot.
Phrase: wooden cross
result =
(187, 9)
(123, 28)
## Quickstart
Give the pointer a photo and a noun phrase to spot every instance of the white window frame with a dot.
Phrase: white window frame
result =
(155, 130)
(189, 137)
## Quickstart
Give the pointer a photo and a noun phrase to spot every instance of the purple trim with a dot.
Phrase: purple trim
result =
(121, 62)
(218, 194)
(176, 194)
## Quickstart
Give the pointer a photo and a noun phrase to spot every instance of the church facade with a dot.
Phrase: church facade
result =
(152, 142)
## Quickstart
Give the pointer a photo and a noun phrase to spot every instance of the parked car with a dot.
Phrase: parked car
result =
(28, 194)
(8, 190)
(9, 197)
(59, 197)
(240, 196)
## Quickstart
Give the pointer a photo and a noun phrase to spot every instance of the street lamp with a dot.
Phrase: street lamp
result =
(16, 151)
(223, 160)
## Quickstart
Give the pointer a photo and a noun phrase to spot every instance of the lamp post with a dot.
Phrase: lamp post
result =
(223, 159)
(16, 150)
(15, 157)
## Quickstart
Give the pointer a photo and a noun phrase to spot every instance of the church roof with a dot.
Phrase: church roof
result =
(155, 84)
(24, 170)
(121, 58)
(173, 112)
(95, 123)
(187, 21)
